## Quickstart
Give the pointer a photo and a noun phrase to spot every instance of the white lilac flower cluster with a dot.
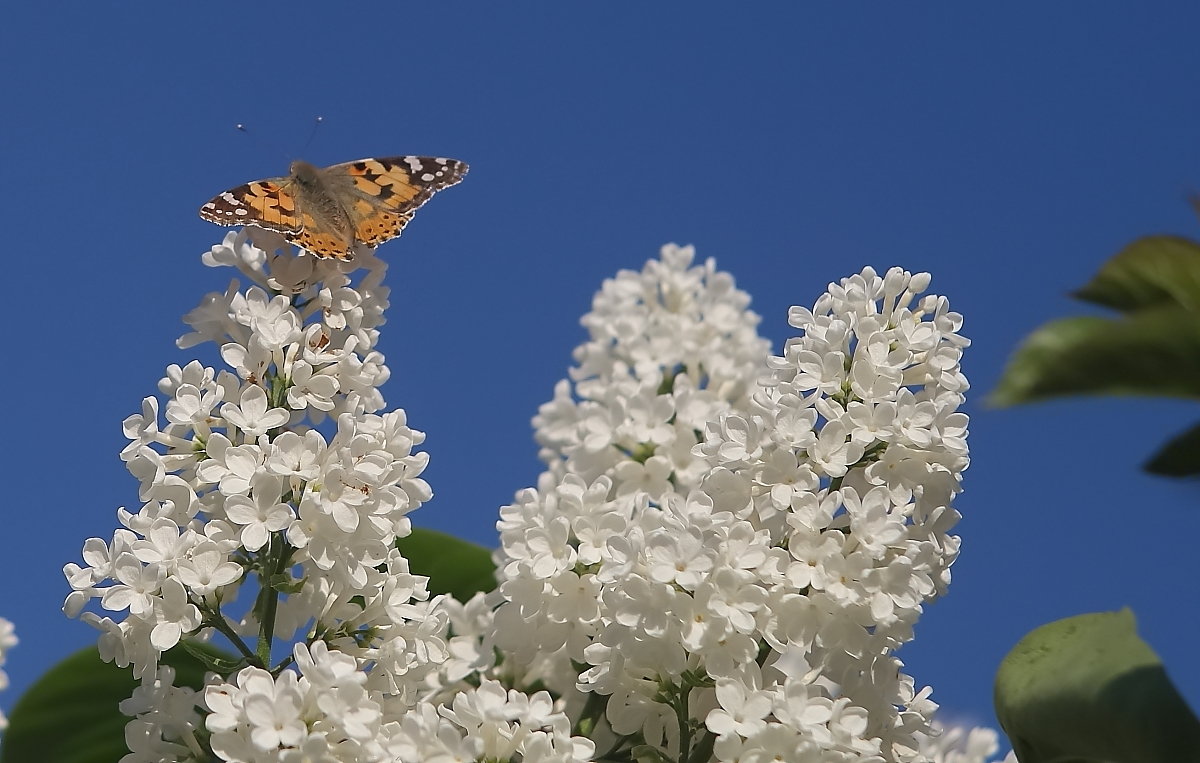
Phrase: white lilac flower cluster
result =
(729, 558)
(718, 564)
(8, 639)
(281, 471)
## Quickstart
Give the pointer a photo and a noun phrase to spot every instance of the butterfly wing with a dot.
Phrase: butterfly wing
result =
(266, 203)
(386, 192)
(323, 243)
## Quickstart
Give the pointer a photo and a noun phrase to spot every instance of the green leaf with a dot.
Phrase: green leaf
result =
(1156, 271)
(1086, 688)
(454, 566)
(1153, 352)
(70, 715)
(1180, 457)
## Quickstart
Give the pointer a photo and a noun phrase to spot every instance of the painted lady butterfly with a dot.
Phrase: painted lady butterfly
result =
(330, 210)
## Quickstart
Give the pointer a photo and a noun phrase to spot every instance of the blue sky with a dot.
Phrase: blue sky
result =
(1008, 152)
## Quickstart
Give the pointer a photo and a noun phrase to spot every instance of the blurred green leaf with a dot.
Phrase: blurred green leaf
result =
(1152, 352)
(1086, 688)
(1156, 271)
(454, 566)
(70, 715)
(1180, 457)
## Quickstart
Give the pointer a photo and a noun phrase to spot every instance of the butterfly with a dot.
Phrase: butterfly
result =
(330, 210)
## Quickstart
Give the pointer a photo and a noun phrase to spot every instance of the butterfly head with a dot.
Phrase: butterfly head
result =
(304, 173)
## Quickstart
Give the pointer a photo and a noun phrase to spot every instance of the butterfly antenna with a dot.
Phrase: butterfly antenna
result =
(312, 133)
(241, 127)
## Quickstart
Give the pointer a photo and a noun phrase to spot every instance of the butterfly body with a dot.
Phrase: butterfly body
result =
(321, 194)
(328, 211)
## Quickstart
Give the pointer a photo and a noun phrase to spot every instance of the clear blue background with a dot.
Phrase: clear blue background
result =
(1008, 152)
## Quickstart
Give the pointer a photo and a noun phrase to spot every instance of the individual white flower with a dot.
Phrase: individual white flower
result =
(174, 615)
(165, 543)
(548, 550)
(649, 477)
(236, 250)
(192, 407)
(297, 457)
(679, 557)
(252, 414)
(875, 522)
(148, 468)
(261, 513)
(308, 387)
(141, 429)
(250, 362)
(822, 372)
(231, 466)
(212, 320)
(342, 306)
(834, 452)
(138, 585)
(743, 709)
(208, 567)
